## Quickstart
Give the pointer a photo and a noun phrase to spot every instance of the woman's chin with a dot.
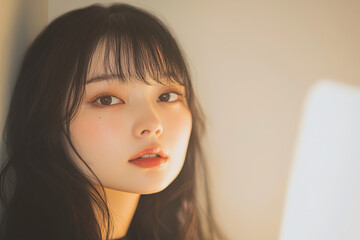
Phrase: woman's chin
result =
(143, 190)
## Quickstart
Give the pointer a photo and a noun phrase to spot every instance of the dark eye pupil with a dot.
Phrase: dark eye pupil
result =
(105, 100)
(166, 98)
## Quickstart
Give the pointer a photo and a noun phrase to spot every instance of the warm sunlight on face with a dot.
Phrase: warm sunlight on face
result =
(117, 120)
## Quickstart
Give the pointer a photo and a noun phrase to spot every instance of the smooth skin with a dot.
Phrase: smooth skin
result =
(116, 121)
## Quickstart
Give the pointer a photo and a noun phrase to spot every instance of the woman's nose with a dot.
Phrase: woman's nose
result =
(148, 123)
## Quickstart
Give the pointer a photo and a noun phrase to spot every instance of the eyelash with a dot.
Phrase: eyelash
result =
(106, 94)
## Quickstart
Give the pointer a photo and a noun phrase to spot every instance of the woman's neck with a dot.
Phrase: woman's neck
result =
(122, 206)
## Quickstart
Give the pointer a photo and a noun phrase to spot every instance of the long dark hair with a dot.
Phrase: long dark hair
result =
(43, 193)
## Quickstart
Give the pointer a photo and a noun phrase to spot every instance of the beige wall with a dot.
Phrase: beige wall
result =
(21, 21)
(252, 63)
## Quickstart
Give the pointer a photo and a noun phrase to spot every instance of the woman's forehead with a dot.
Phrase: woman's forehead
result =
(104, 63)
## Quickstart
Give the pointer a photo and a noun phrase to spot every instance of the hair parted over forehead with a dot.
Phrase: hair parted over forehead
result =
(134, 43)
(140, 45)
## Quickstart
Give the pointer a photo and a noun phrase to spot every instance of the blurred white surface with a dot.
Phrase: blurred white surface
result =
(323, 200)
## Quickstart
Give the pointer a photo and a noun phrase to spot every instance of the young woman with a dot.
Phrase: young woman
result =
(103, 134)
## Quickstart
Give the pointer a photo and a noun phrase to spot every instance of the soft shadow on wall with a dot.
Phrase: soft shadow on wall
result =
(21, 21)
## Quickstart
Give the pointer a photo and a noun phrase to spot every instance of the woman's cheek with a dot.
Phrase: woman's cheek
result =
(95, 130)
(179, 126)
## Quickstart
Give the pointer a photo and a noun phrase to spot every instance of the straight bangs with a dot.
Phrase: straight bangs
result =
(136, 52)
(132, 45)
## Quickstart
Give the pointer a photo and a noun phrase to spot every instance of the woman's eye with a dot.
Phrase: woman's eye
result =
(169, 97)
(108, 100)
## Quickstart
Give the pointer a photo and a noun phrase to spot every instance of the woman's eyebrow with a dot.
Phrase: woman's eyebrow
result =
(110, 77)
(105, 77)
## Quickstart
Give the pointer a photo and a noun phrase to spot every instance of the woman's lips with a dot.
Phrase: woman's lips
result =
(150, 150)
(155, 157)
(149, 162)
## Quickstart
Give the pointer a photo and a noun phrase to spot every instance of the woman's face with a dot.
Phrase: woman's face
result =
(116, 121)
